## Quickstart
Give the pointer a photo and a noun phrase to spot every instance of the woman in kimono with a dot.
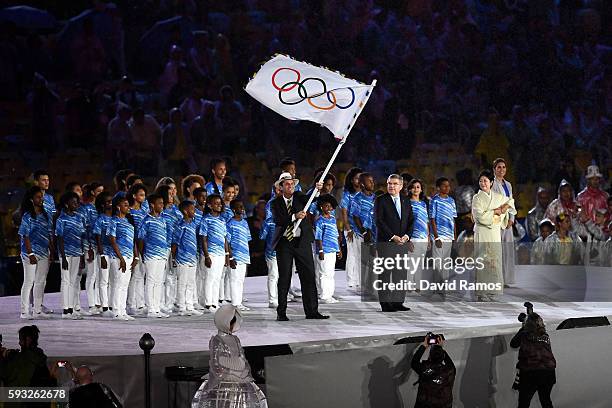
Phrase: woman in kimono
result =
(491, 212)
(229, 383)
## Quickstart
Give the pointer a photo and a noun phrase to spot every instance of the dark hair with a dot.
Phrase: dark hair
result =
(151, 198)
(26, 204)
(31, 332)
(131, 179)
(348, 179)
(39, 172)
(486, 173)
(71, 185)
(184, 204)
(436, 354)
(67, 196)
(189, 181)
(164, 192)
(287, 161)
(116, 201)
(209, 200)
(422, 196)
(119, 178)
(406, 177)
(328, 176)
(534, 325)
(228, 182)
(197, 191)
(90, 188)
(214, 162)
(100, 200)
(134, 190)
(363, 176)
(440, 180)
(499, 160)
(234, 202)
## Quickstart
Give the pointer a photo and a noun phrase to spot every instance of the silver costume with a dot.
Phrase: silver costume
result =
(229, 383)
(534, 216)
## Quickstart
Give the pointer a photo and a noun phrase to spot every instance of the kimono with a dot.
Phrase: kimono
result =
(229, 383)
(504, 188)
(487, 237)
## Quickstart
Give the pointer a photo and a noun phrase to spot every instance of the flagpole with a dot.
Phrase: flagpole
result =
(315, 192)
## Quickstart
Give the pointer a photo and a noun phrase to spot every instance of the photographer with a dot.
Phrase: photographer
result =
(436, 374)
(536, 362)
(26, 367)
(91, 394)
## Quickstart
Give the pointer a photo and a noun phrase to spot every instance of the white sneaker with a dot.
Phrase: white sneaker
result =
(184, 313)
(76, 316)
(337, 297)
(108, 313)
(152, 315)
(295, 292)
(46, 310)
(198, 306)
(211, 309)
(162, 314)
(243, 308)
(195, 312)
(94, 311)
(66, 316)
(26, 316)
(272, 305)
(127, 317)
(329, 301)
(84, 312)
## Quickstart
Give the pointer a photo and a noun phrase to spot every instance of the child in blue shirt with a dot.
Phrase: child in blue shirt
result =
(153, 249)
(104, 208)
(185, 258)
(215, 248)
(239, 237)
(35, 231)
(124, 258)
(88, 209)
(442, 217)
(71, 239)
(172, 215)
(139, 208)
(328, 248)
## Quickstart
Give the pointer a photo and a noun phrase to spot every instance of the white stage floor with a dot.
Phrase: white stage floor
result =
(350, 318)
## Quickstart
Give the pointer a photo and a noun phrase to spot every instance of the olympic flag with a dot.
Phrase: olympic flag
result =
(300, 91)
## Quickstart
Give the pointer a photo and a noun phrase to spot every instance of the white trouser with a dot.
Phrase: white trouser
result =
(34, 280)
(76, 290)
(325, 270)
(121, 281)
(225, 290)
(236, 282)
(508, 256)
(418, 273)
(91, 282)
(103, 283)
(169, 285)
(186, 275)
(213, 280)
(353, 260)
(272, 280)
(155, 287)
(69, 277)
(136, 289)
(441, 254)
(200, 282)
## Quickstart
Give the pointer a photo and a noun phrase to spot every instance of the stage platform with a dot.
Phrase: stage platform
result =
(350, 319)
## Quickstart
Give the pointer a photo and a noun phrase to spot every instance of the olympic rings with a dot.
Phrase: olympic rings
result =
(303, 92)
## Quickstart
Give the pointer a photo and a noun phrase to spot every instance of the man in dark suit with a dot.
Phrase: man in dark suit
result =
(292, 246)
(394, 222)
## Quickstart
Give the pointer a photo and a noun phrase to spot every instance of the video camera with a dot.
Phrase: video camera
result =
(523, 316)
(434, 338)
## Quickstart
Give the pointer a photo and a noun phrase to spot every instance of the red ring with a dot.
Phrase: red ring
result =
(285, 89)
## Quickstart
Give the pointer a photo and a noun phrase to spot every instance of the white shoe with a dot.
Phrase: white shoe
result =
(212, 309)
(46, 310)
(162, 314)
(84, 313)
(26, 316)
(329, 301)
(272, 305)
(127, 317)
(243, 308)
(198, 306)
(108, 313)
(76, 316)
(296, 292)
(94, 311)
(66, 316)
(184, 313)
(337, 297)
(195, 312)
(40, 315)
(153, 315)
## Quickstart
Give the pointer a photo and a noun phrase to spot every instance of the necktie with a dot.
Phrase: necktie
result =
(398, 207)
(289, 230)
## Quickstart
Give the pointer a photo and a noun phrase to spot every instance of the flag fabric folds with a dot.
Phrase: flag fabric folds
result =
(300, 91)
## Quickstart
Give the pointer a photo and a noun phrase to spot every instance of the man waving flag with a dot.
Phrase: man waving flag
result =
(300, 91)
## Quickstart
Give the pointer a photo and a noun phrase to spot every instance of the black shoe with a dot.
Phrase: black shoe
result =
(402, 308)
(282, 318)
(317, 316)
(387, 308)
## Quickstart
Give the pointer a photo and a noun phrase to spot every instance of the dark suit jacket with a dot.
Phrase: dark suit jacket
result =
(388, 223)
(282, 218)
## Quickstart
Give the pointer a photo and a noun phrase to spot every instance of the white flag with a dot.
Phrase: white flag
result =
(300, 91)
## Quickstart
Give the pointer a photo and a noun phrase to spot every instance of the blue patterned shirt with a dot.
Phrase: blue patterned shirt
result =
(346, 202)
(153, 232)
(138, 216)
(215, 229)
(267, 234)
(327, 232)
(421, 220)
(227, 214)
(100, 228)
(444, 211)
(173, 216)
(362, 206)
(49, 205)
(72, 229)
(38, 230)
(210, 188)
(88, 210)
(185, 238)
(239, 236)
(123, 231)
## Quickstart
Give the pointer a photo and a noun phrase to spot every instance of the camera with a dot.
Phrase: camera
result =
(523, 316)
(434, 338)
